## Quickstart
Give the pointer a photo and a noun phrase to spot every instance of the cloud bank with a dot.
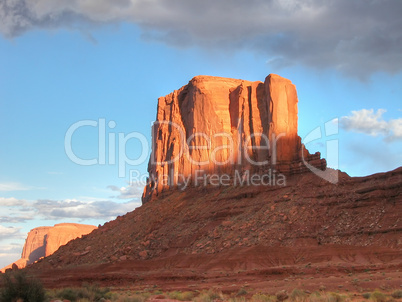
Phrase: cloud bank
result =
(20, 211)
(9, 232)
(369, 122)
(70, 209)
(132, 190)
(355, 37)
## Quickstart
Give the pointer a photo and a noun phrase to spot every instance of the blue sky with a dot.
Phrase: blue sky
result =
(63, 62)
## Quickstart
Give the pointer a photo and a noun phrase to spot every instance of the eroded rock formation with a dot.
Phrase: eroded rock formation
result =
(44, 241)
(224, 126)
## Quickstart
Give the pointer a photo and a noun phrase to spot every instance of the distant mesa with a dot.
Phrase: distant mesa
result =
(44, 241)
(226, 126)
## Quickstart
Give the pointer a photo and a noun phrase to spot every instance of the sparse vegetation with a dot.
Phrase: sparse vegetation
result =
(209, 296)
(326, 297)
(133, 298)
(17, 286)
(237, 299)
(241, 292)
(397, 294)
(298, 295)
(88, 292)
(366, 295)
(263, 298)
(378, 296)
(182, 296)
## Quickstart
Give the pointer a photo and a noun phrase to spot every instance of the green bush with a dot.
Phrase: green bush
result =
(209, 296)
(335, 297)
(134, 298)
(237, 299)
(263, 298)
(378, 296)
(89, 292)
(298, 295)
(68, 294)
(317, 297)
(17, 285)
(241, 292)
(397, 294)
(366, 295)
(181, 296)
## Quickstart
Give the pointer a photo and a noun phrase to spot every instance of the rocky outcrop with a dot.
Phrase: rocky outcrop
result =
(225, 127)
(35, 244)
(62, 233)
(310, 227)
(44, 241)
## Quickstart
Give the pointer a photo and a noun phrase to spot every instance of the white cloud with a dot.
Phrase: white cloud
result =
(132, 190)
(11, 202)
(19, 211)
(106, 210)
(13, 186)
(14, 210)
(9, 232)
(16, 218)
(371, 122)
(355, 37)
(9, 253)
(396, 128)
(12, 248)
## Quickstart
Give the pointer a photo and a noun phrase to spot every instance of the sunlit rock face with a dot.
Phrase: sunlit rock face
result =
(44, 241)
(221, 126)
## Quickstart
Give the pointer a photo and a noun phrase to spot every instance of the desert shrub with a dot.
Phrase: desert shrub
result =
(378, 296)
(181, 296)
(241, 292)
(209, 296)
(133, 298)
(282, 295)
(237, 299)
(174, 295)
(67, 294)
(263, 298)
(111, 296)
(397, 294)
(94, 292)
(18, 286)
(317, 297)
(333, 297)
(298, 295)
(89, 292)
(327, 297)
(366, 295)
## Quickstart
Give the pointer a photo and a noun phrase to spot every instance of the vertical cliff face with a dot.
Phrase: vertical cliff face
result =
(220, 126)
(62, 233)
(35, 244)
(44, 241)
(282, 99)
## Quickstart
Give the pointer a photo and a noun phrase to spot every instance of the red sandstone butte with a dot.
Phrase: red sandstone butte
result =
(44, 241)
(225, 126)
